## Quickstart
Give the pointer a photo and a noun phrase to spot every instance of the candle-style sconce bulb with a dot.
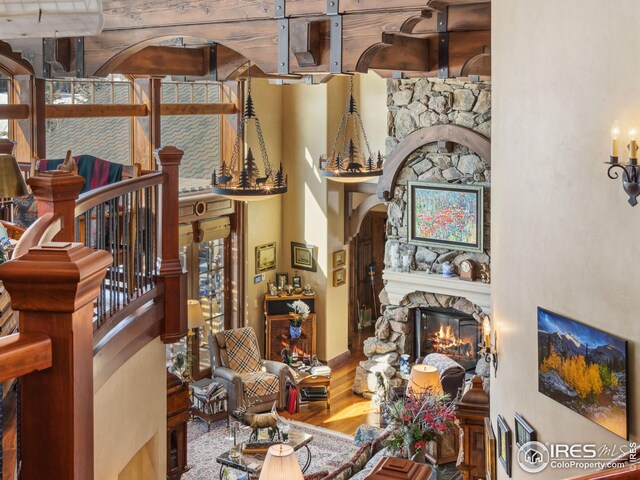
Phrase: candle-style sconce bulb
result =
(633, 144)
(630, 173)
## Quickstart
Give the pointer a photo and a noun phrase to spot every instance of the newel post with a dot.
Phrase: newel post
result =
(170, 269)
(54, 287)
(57, 192)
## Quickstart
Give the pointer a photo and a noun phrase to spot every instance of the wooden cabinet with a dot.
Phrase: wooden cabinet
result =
(178, 405)
(276, 312)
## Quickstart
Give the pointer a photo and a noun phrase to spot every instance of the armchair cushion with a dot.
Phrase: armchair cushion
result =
(260, 384)
(243, 353)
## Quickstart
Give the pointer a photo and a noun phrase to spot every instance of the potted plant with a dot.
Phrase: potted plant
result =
(181, 365)
(300, 313)
(419, 418)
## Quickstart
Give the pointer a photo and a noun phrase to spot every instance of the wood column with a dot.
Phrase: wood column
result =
(54, 287)
(57, 192)
(471, 412)
(170, 272)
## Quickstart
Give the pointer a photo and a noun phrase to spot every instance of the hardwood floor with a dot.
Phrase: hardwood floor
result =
(348, 410)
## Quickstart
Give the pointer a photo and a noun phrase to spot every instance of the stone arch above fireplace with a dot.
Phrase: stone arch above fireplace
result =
(436, 133)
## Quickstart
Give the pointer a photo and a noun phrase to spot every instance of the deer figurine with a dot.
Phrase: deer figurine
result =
(259, 420)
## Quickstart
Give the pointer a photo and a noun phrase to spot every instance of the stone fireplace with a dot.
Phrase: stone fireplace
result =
(412, 105)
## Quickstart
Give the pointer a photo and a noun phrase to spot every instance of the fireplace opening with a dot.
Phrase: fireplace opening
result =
(449, 332)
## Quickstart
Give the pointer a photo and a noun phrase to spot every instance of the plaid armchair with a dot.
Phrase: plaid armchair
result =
(247, 379)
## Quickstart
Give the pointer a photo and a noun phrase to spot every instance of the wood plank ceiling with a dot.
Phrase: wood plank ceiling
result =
(295, 39)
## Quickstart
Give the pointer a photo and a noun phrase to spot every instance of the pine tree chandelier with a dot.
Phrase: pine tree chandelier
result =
(247, 184)
(349, 164)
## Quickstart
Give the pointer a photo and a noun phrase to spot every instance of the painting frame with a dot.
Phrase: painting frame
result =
(303, 256)
(442, 193)
(489, 450)
(339, 258)
(523, 431)
(282, 279)
(561, 339)
(504, 444)
(339, 277)
(266, 257)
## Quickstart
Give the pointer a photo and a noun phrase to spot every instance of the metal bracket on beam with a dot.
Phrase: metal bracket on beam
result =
(46, 66)
(333, 7)
(279, 9)
(335, 57)
(443, 44)
(283, 46)
(80, 57)
(213, 61)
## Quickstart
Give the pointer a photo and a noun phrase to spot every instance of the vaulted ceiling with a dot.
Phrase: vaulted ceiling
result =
(298, 40)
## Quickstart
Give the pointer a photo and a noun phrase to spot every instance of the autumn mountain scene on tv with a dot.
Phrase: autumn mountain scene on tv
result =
(584, 369)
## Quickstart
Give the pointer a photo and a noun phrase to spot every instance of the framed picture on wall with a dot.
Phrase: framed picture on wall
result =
(266, 257)
(504, 444)
(296, 281)
(339, 258)
(303, 256)
(446, 216)
(489, 450)
(591, 363)
(339, 277)
(524, 432)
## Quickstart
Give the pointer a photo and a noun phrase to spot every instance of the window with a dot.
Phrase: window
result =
(108, 138)
(197, 135)
(5, 99)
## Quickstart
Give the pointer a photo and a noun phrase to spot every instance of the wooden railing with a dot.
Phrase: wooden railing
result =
(122, 219)
(56, 288)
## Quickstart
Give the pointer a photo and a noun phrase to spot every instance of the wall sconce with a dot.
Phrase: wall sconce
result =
(490, 354)
(630, 171)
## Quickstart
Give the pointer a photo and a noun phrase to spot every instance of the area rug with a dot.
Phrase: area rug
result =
(329, 449)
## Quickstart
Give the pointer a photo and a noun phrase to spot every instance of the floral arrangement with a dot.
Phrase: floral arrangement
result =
(6, 247)
(300, 313)
(418, 418)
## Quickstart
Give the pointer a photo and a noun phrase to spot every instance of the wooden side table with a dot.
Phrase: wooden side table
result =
(307, 380)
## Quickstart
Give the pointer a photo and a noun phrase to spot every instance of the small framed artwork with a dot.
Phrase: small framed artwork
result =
(296, 281)
(524, 432)
(489, 450)
(271, 287)
(504, 444)
(339, 277)
(446, 216)
(282, 279)
(303, 256)
(266, 257)
(339, 258)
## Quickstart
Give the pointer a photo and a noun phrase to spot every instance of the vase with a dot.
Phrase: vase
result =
(405, 368)
(295, 332)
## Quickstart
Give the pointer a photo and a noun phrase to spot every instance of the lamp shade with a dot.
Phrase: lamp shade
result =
(195, 317)
(425, 378)
(11, 179)
(281, 464)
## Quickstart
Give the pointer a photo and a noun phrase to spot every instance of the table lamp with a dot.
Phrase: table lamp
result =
(281, 464)
(424, 378)
(195, 317)
(11, 179)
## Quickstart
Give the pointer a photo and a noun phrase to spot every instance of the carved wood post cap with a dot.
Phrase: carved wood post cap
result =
(55, 277)
(168, 156)
(7, 146)
(56, 186)
(476, 399)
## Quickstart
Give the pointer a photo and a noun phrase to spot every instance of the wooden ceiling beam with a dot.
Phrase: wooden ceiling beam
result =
(198, 109)
(154, 60)
(95, 110)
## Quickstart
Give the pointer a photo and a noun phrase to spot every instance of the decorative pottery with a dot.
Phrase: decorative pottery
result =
(295, 332)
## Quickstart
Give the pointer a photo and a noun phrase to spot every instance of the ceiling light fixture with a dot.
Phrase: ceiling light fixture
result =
(246, 184)
(349, 163)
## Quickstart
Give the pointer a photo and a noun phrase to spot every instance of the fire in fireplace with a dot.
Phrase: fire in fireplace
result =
(449, 332)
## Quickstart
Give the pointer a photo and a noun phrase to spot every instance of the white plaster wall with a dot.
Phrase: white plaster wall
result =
(563, 235)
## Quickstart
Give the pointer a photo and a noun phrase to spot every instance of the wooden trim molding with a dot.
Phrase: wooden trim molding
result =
(357, 216)
(339, 360)
(14, 111)
(95, 110)
(450, 133)
(198, 109)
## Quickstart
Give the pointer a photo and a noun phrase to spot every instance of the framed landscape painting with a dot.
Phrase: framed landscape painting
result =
(303, 256)
(446, 216)
(584, 369)
(265, 257)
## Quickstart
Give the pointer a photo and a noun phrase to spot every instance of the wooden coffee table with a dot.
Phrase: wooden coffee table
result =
(252, 463)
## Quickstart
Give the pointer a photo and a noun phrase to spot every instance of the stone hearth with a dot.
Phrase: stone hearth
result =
(394, 329)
